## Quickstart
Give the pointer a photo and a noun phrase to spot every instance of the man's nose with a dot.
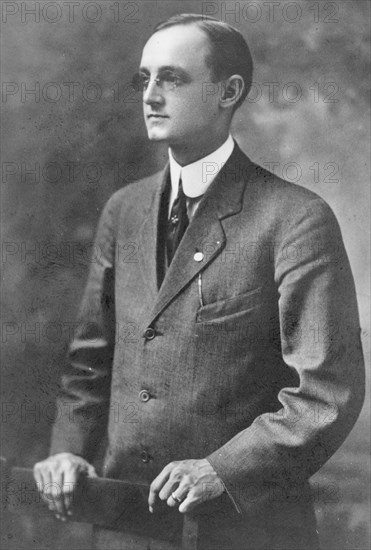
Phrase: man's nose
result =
(152, 94)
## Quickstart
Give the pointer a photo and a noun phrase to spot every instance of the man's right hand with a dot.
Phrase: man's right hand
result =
(56, 478)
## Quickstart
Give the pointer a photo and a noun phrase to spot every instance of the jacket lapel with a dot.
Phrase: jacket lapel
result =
(205, 233)
(148, 235)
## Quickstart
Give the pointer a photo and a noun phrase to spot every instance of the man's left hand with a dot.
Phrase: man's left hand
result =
(185, 483)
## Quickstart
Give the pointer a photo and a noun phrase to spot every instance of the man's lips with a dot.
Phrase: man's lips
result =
(155, 115)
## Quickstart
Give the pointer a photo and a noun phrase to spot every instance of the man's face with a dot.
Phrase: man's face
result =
(175, 108)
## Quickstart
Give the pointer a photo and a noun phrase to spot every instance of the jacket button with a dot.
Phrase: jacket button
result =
(198, 257)
(144, 456)
(149, 333)
(144, 396)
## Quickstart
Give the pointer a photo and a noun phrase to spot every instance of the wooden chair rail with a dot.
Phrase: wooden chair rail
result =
(108, 503)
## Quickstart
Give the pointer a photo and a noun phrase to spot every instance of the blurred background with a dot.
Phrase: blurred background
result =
(72, 133)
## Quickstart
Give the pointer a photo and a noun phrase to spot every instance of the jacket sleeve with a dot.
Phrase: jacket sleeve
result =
(84, 402)
(320, 341)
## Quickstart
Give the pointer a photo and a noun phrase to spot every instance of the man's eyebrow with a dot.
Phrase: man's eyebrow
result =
(173, 68)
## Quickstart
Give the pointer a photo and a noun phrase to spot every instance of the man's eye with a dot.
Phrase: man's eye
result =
(166, 80)
(170, 78)
(141, 81)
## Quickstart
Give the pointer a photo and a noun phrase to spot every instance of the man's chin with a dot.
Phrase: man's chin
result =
(154, 135)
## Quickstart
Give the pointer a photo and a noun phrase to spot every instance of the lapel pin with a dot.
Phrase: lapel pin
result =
(198, 257)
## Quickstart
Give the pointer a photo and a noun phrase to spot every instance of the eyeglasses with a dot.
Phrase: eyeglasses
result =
(166, 80)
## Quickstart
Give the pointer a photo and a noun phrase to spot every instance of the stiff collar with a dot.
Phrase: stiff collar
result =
(197, 176)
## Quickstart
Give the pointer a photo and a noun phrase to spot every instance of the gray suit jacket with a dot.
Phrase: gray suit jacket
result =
(250, 357)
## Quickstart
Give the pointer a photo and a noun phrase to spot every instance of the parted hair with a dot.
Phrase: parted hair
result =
(229, 52)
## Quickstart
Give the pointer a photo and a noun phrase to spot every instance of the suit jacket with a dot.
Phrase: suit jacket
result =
(248, 354)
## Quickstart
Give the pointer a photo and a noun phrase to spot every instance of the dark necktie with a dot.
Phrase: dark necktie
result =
(177, 223)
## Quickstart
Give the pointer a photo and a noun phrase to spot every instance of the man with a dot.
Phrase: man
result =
(218, 345)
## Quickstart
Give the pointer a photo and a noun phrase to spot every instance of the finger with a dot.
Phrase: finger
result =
(59, 498)
(156, 486)
(169, 488)
(91, 471)
(44, 475)
(42, 479)
(190, 502)
(174, 479)
(178, 495)
(70, 479)
(38, 478)
(54, 491)
(47, 494)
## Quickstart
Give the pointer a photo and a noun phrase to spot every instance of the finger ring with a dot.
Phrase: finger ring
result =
(176, 499)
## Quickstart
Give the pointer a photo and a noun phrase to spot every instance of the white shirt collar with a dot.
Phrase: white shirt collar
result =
(197, 176)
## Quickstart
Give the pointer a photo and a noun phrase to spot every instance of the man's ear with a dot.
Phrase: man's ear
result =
(232, 89)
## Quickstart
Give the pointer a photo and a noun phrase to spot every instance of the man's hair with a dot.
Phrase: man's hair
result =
(229, 52)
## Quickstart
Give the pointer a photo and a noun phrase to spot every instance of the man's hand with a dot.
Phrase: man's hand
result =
(186, 483)
(56, 478)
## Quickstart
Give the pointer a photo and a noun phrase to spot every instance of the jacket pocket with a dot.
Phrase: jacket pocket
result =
(218, 311)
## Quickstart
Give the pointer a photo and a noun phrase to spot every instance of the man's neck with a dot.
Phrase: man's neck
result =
(185, 155)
